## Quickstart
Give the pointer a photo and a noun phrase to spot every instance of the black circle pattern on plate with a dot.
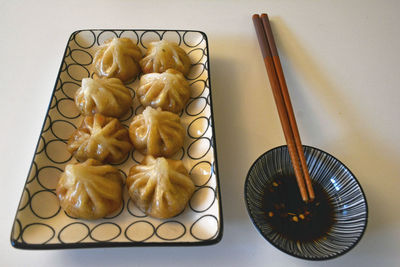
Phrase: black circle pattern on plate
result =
(144, 232)
(69, 88)
(55, 151)
(196, 106)
(127, 116)
(197, 149)
(123, 175)
(59, 83)
(149, 36)
(196, 70)
(25, 200)
(32, 172)
(53, 102)
(67, 52)
(136, 156)
(190, 44)
(174, 230)
(105, 35)
(128, 34)
(173, 36)
(84, 39)
(47, 177)
(198, 126)
(41, 145)
(77, 229)
(17, 230)
(196, 54)
(205, 221)
(38, 205)
(105, 232)
(203, 198)
(40, 223)
(64, 131)
(66, 108)
(132, 91)
(197, 88)
(77, 72)
(134, 210)
(81, 57)
(201, 173)
(69, 216)
(47, 124)
(47, 233)
(63, 67)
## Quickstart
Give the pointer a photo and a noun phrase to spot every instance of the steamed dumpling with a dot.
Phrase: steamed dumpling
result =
(156, 132)
(90, 190)
(168, 90)
(101, 138)
(118, 58)
(107, 96)
(160, 187)
(163, 55)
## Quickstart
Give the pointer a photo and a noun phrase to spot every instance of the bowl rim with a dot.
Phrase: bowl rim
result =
(282, 249)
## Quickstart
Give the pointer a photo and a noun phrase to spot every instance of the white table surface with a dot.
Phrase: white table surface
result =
(341, 61)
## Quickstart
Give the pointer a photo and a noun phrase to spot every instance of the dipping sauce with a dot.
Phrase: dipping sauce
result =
(291, 217)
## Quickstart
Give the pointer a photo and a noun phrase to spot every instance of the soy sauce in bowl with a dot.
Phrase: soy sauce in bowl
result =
(326, 228)
(289, 216)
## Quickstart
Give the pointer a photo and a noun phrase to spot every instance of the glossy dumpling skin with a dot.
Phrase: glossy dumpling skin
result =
(107, 96)
(156, 132)
(90, 190)
(168, 90)
(163, 55)
(102, 138)
(160, 187)
(118, 58)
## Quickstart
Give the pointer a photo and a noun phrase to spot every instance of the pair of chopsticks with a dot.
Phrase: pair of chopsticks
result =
(284, 105)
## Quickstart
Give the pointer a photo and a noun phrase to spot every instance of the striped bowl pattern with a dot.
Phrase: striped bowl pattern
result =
(350, 206)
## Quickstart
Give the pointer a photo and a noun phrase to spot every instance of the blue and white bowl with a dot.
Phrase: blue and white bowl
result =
(348, 199)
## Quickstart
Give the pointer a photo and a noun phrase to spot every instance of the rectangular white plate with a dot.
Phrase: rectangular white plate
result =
(40, 223)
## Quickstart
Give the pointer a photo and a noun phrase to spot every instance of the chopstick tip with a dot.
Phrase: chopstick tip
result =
(264, 15)
(305, 199)
(255, 16)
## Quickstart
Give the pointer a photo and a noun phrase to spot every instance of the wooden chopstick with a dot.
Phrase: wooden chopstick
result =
(288, 103)
(284, 106)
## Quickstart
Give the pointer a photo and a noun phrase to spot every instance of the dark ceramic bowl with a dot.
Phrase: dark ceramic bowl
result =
(350, 211)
